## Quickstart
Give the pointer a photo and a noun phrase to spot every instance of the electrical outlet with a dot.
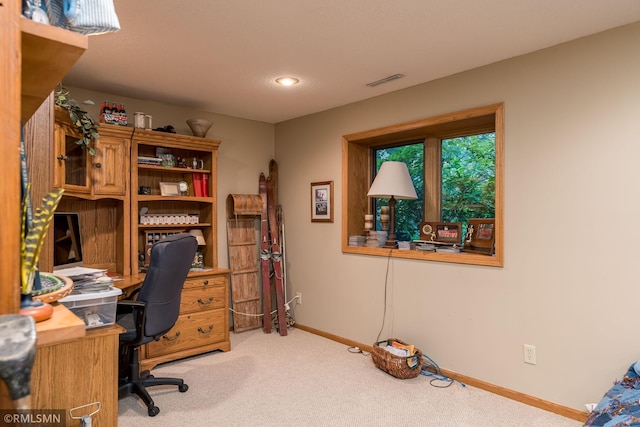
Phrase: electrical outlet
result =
(529, 354)
(299, 297)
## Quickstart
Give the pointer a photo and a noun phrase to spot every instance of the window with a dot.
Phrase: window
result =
(447, 155)
(468, 179)
(408, 212)
(466, 182)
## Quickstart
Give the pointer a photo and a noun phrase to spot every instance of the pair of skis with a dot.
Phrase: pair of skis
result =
(271, 250)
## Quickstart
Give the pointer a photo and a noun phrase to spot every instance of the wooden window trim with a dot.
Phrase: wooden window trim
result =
(356, 161)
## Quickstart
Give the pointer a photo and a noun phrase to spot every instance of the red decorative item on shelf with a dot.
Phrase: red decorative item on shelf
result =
(205, 185)
(197, 184)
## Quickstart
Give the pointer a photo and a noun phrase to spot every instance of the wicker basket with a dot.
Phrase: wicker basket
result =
(399, 367)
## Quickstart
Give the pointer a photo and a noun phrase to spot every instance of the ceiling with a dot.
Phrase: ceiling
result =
(223, 56)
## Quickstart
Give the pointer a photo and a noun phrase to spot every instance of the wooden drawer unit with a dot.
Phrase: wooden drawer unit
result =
(203, 324)
(201, 299)
(206, 282)
(191, 331)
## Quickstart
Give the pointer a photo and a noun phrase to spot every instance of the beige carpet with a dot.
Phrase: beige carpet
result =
(306, 380)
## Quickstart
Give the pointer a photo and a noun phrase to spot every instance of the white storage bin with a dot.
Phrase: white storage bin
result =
(95, 308)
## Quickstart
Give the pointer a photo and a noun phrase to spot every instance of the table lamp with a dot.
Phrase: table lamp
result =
(392, 182)
(199, 237)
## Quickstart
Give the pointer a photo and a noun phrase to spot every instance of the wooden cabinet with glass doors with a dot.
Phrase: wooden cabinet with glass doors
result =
(97, 188)
(83, 175)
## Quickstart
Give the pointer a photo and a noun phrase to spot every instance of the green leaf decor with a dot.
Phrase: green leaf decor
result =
(81, 119)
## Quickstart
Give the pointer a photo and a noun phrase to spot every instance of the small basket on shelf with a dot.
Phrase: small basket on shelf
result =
(397, 366)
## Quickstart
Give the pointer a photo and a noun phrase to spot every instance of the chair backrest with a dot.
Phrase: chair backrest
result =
(171, 259)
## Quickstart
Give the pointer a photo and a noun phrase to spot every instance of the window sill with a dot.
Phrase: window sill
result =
(461, 258)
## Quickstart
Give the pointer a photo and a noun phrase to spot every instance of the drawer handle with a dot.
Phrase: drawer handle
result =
(205, 282)
(165, 337)
(205, 302)
(202, 331)
(62, 157)
(98, 165)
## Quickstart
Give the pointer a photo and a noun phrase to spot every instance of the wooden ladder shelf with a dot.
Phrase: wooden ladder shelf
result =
(242, 213)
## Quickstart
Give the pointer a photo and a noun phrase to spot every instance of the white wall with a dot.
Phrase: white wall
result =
(569, 284)
(246, 149)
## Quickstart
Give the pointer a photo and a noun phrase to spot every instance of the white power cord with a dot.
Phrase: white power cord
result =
(260, 315)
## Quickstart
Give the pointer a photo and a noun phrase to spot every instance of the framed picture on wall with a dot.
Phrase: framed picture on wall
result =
(322, 201)
(480, 236)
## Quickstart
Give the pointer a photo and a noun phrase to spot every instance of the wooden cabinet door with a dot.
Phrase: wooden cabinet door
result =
(71, 161)
(108, 165)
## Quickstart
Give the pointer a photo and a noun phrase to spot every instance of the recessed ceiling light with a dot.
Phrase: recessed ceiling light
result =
(287, 81)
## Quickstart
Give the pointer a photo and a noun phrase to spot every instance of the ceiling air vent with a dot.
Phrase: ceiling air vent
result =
(385, 80)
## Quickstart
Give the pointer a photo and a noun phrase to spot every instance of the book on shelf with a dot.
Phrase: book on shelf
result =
(205, 185)
(197, 184)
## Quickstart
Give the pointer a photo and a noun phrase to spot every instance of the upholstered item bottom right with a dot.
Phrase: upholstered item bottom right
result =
(620, 405)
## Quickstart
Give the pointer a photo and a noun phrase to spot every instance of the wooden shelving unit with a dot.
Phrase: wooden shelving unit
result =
(9, 142)
(36, 57)
(48, 53)
(203, 324)
(146, 144)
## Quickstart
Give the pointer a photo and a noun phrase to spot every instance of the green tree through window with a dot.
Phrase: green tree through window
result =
(408, 212)
(467, 179)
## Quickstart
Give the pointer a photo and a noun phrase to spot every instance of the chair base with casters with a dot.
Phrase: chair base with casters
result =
(136, 382)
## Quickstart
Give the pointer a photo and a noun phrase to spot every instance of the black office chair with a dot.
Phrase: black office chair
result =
(153, 314)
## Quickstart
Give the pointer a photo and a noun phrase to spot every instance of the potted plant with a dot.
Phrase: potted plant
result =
(84, 122)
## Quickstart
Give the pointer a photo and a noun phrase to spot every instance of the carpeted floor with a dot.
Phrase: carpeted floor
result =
(306, 380)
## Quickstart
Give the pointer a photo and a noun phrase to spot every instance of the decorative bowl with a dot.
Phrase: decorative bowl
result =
(199, 127)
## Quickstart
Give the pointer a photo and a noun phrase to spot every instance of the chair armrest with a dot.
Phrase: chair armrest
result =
(126, 306)
(138, 310)
(131, 296)
(133, 293)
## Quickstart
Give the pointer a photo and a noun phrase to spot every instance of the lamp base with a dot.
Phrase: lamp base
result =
(391, 244)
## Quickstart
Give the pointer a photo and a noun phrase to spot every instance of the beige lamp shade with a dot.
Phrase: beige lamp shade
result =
(393, 180)
(199, 237)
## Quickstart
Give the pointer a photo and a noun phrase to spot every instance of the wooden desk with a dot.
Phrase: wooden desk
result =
(62, 326)
(72, 370)
(128, 284)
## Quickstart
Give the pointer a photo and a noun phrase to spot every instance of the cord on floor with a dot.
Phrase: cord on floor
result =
(259, 315)
(429, 368)
(274, 321)
(357, 350)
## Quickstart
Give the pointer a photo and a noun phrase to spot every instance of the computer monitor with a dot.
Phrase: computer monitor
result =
(67, 244)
